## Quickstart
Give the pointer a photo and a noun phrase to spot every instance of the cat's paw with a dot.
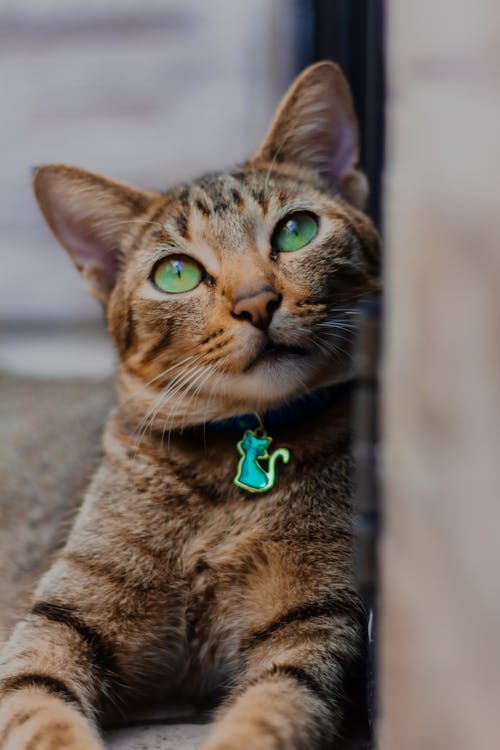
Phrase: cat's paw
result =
(31, 720)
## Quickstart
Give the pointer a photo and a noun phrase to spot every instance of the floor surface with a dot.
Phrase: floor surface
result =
(157, 737)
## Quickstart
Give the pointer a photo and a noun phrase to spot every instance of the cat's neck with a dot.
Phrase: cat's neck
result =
(290, 414)
(317, 416)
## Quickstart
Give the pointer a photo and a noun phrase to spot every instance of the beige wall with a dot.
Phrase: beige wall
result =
(441, 555)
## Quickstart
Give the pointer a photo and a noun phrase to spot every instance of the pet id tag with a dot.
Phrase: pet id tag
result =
(250, 475)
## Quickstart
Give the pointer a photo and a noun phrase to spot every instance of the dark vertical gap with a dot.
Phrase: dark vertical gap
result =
(351, 32)
(374, 114)
(366, 450)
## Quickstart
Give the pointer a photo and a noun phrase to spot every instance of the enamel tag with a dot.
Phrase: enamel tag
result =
(250, 474)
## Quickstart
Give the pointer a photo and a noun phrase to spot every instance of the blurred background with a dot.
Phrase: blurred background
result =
(152, 93)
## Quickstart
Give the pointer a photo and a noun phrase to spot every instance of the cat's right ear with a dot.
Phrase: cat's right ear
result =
(90, 215)
(315, 127)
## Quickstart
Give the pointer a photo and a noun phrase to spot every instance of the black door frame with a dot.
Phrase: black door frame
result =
(351, 33)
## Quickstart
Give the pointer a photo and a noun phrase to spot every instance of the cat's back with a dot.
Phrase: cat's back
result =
(49, 446)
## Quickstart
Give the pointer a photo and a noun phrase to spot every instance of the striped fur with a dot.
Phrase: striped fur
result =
(172, 580)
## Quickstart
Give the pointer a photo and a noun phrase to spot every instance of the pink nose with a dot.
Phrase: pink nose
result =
(257, 308)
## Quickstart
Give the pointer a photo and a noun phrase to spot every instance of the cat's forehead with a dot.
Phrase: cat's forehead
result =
(226, 209)
(242, 188)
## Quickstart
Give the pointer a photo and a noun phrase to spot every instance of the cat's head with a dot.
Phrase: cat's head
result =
(237, 292)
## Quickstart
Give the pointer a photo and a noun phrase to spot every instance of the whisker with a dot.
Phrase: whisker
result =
(195, 393)
(336, 348)
(159, 401)
(199, 378)
(143, 222)
(177, 385)
(340, 325)
(157, 377)
(273, 162)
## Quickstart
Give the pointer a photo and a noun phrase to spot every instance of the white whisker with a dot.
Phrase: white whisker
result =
(162, 374)
(177, 382)
(273, 162)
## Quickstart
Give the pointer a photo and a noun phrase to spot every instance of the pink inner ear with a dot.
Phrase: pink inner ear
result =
(86, 249)
(344, 151)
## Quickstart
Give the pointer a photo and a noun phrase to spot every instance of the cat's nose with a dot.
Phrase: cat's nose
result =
(258, 307)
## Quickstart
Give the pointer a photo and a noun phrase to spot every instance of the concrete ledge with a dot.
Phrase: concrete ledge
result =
(157, 737)
(176, 737)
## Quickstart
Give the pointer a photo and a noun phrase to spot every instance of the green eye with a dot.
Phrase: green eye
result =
(295, 231)
(177, 273)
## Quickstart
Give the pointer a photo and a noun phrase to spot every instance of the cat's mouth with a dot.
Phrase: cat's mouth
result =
(272, 351)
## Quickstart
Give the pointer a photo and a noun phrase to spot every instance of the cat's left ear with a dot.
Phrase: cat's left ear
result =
(315, 126)
(90, 215)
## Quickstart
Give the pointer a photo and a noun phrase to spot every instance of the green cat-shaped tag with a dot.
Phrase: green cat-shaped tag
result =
(250, 475)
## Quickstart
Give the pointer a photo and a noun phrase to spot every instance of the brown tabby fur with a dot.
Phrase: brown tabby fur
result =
(172, 580)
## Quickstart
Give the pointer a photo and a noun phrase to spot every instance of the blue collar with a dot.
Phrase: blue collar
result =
(292, 413)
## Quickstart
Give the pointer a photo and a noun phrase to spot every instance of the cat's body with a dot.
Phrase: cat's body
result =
(174, 579)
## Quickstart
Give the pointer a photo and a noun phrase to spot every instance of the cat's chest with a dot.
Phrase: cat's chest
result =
(226, 527)
(255, 556)
(185, 501)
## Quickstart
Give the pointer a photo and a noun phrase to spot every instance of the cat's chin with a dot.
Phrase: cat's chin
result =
(275, 380)
(276, 356)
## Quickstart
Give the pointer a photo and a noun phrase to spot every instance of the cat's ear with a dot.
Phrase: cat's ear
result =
(89, 214)
(315, 126)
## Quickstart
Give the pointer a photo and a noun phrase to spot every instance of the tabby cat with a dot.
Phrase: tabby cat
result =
(198, 565)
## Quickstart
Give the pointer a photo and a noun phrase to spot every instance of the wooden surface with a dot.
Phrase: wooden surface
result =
(441, 554)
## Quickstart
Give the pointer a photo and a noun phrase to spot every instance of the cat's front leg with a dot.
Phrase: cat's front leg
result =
(293, 694)
(48, 688)
(32, 719)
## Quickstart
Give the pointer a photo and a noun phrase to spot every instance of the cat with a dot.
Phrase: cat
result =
(232, 305)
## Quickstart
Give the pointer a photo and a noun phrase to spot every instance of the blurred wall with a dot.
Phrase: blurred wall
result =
(152, 92)
(441, 557)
